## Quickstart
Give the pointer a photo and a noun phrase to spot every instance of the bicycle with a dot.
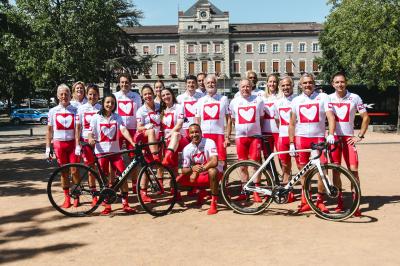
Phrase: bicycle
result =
(248, 188)
(85, 183)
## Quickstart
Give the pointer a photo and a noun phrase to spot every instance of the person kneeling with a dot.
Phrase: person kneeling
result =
(200, 165)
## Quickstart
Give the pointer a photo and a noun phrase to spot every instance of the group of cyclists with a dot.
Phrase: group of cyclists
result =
(199, 123)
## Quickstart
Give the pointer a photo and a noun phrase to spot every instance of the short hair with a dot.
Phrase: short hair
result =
(201, 74)
(246, 79)
(251, 72)
(190, 77)
(211, 76)
(307, 75)
(63, 87)
(339, 73)
(92, 86)
(124, 75)
(195, 125)
(286, 78)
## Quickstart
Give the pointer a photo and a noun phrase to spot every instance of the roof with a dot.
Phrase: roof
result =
(191, 12)
(233, 28)
(275, 27)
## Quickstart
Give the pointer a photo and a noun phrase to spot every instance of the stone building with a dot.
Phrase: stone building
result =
(205, 41)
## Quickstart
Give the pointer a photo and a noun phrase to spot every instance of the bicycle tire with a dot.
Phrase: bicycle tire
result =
(80, 189)
(149, 180)
(233, 194)
(346, 185)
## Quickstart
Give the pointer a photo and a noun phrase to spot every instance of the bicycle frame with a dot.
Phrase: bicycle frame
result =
(313, 162)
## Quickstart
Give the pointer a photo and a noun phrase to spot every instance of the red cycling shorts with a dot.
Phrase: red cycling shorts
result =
(87, 154)
(349, 152)
(115, 161)
(182, 144)
(302, 158)
(219, 140)
(65, 151)
(202, 180)
(284, 145)
(122, 139)
(248, 148)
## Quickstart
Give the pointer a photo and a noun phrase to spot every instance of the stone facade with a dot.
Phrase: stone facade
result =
(205, 41)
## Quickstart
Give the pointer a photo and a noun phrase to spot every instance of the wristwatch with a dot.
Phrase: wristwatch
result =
(360, 136)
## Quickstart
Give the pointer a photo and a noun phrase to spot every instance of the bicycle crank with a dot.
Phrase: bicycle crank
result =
(280, 195)
(109, 195)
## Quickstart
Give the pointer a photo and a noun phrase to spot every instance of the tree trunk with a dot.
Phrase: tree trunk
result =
(398, 109)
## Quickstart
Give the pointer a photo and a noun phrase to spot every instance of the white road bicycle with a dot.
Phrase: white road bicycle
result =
(248, 187)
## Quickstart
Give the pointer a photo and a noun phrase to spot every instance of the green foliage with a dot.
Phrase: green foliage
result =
(71, 40)
(362, 38)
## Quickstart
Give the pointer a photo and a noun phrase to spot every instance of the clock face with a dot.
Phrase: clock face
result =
(203, 14)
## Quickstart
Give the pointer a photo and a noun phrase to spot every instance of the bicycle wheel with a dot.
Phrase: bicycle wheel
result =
(157, 189)
(344, 198)
(245, 202)
(73, 190)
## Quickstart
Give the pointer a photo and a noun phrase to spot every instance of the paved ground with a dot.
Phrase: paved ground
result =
(32, 233)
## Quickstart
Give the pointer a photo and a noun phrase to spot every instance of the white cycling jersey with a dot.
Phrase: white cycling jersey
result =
(146, 115)
(201, 154)
(63, 120)
(311, 114)
(127, 106)
(189, 104)
(171, 117)
(247, 113)
(84, 116)
(283, 108)
(345, 111)
(269, 123)
(212, 111)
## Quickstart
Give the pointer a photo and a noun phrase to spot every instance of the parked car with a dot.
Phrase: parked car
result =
(28, 115)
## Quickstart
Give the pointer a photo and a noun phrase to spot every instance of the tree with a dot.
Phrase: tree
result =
(75, 40)
(362, 38)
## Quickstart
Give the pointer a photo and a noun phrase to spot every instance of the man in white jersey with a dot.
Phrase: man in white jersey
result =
(188, 100)
(200, 165)
(61, 132)
(345, 105)
(201, 83)
(252, 76)
(128, 102)
(247, 112)
(307, 125)
(212, 111)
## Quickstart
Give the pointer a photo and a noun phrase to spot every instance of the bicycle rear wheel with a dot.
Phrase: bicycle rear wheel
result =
(73, 190)
(245, 202)
(157, 189)
(344, 198)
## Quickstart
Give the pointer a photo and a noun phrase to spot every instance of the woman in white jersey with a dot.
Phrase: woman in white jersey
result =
(83, 118)
(78, 94)
(103, 133)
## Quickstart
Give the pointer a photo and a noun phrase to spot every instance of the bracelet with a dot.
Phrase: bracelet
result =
(360, 136)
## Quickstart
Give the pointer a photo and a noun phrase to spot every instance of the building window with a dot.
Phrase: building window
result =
(315, 66)
(302, 66)
(204, 66)
(191, 49)
(159, 50)
(315, 47)
(249, 48)
(289, 47)
(262, 67)
(145, 50)
(204, 48)
(203, 27)
(172, 68)
(217, 27)
(236, 48)
(236, 67)
(249, 65)
(275, 48)
(172, 49)
(275, 67)
(160, 71)
(190, 27)
(191, 68)
(289, 66)
(217, 48)
(262, 48)
(217, 67)
(302, 47)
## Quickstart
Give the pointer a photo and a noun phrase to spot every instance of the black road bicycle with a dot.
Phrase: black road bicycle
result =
(87, 183)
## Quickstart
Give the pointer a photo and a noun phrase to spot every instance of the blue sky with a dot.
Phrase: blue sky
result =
(165, 12)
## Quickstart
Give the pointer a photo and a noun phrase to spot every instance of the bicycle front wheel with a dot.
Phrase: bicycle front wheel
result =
(157, 189)
(344, 194)
(73, 190)
(241, 201)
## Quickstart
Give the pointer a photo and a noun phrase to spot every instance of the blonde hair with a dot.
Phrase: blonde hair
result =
(76, 84)
(277, 91)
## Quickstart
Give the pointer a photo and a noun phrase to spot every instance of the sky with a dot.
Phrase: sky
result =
(165, 12)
